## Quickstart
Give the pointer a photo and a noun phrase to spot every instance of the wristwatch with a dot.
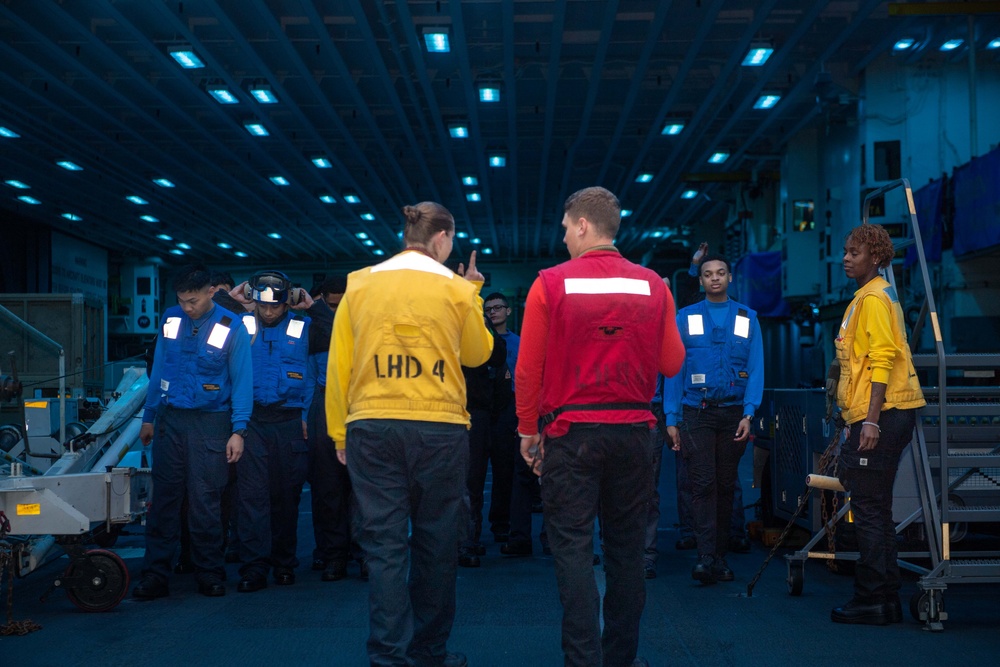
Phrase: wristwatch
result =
(242, 432)
(749, 418)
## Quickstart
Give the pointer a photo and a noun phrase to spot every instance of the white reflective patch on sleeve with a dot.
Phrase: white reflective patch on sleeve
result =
(295, 328)
(218, 336)
(695, 326)
(171, 327)
(606, 286)
(697, 378)
(250, 324)
(742, 327)
(164, 384)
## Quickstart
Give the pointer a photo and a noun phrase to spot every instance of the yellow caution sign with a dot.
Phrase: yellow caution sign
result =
(29, 509)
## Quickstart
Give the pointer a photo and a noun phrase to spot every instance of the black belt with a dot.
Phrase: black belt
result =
(551, 417)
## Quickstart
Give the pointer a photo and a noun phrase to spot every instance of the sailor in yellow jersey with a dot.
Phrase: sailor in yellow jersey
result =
(878, 394)
(395, 406)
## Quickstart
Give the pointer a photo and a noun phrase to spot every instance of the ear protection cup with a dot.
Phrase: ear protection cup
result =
(294, 296)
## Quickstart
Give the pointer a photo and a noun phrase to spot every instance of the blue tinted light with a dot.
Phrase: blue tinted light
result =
(224, 245)
(240, 253)
(321, 162)
(378, 251)
(186, 58)
(222, 95)
(176, 251)
(368, 242)
(904, 44)
(165, 237)
(626, 212)
(476, 241)
(437, 41)
(278, 180)
(498, 161)
(148, 218)
(994, 44)
(183, 246)
(470, 180)
(766, 101)
(256, 129)
(72, 216)
(487, 251)
(263, 94)
(164, 182)
(458, 131)
(757, 56)
(644, 177)
(352, 199)
(69, 166)
(718, 158)
(8, 133)
(489, 94)
(327, 199)
(274, 235)
(137, 200)
(462, 235)
(20, 185)
(367, 216)
(952, 44)
(689, 194)
(672, 128)
(473, 196)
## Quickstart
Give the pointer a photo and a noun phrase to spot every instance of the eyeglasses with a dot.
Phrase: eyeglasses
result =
(494, 309)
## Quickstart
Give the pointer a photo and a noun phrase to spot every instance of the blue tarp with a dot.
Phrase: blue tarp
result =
(758, 281)
(927, 201)
(977, 204)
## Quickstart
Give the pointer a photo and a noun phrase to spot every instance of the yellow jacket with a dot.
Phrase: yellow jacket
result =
(401, 334)
(872, 347)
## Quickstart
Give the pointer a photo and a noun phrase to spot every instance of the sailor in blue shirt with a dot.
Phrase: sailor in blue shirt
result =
(199, 399)
(270, 475)
(709, 407)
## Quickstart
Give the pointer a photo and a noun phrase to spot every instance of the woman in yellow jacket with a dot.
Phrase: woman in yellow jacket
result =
(878, 394)
(395, 406)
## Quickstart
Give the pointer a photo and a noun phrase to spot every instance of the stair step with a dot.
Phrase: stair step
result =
(975, 567)
(974, 514)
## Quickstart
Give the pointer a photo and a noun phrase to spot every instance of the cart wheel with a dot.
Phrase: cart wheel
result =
(796, 577)
(920, 607)
(105, 538)
(96, 581)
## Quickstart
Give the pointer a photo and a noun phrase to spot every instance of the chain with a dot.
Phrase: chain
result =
(828, 466)
(7, 557)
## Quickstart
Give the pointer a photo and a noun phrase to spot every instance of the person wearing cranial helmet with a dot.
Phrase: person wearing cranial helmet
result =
(269, 481)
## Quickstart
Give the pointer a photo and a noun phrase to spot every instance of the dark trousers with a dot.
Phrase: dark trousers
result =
(653, 509)
(189, 459)
(737, 527)
(520, 501)
(607, 465)
(479, 458)
(228, 503)
(712, 459)
(869, 477)
(505, 445)
(330, 486)
(409, 473)
(269, 477)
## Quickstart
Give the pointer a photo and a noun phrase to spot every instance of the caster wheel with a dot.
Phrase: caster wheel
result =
(920, 607)
(796, 577)
(96, 581)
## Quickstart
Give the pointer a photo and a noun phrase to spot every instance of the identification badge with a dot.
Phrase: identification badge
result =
(171, 327)
(164, 384)
(218, 336)
(742, 327)
(293, 375)
(250, 324)
(210, 387)
(695, 326)
(697, 378)
(295, 328)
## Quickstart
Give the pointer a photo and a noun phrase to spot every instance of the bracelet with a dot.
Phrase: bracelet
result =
(875, 424)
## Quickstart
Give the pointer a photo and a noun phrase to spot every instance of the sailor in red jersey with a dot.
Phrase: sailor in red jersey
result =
(597, 330)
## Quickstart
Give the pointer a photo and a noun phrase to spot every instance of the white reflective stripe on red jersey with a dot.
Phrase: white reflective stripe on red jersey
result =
(606, 286)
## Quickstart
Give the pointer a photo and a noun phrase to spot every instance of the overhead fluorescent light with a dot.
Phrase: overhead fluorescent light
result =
(137, 200)
(473, 196)
(470, 180)
(362, 235)
(952, 44)
(378, 251)
(20, 185)
(164, 182)
(352, 198)
(148, 218)
(165, 237)
(487, 251)
(462, 235)
(240, 253)
(224, 245)
(262, 93)
(476, 241)
(72, 217)
(436, 40)
(222, 95)
(626, 212)
(367, 216)
(689, 194)
(458, 131)
(278, 180)
(766, 101)
(176, 251)
(994, 44)
(185, 57)
(274, 235)
(644, 177)
(255, 128)
(69, 166)
(368, 242)
(757, 55)
(321, 162)
(672, 128)
(8, 133)
(498, 160)
(489, 94)
(718, 158)
(183, 246)
(327, 199)
(904, 44)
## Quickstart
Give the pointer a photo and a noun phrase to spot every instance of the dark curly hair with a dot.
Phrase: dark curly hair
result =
(878, 242)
